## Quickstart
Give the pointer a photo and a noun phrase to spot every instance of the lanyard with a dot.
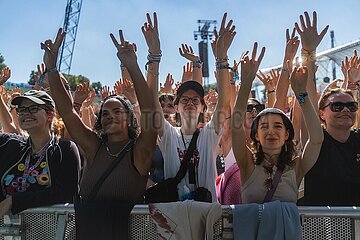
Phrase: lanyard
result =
(190, 164)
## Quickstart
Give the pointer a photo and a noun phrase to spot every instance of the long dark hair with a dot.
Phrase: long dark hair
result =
(133, 129)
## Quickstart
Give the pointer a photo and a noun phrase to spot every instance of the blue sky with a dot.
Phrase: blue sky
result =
(26, 23)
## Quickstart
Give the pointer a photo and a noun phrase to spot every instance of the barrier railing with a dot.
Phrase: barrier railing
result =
(58, 222)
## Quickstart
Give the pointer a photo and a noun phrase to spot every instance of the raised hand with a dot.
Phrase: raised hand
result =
(249, 67)
(128, 90)
(52, 49)
(117, 88)
(41, 78)
(298, 80)
(125, 50)
(167, 88)
(104, 92)
(214, 42)
(226, 36)
(309, 36)
(5, 74)
(211, 99)
(187, 52)
(81, 92)
(267, 80)
(187, 72)
(90, 99)
(292, 45)
(353, 72)
(151, 34)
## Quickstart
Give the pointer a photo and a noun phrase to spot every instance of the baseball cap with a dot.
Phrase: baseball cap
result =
(38, 97)
(190, 85)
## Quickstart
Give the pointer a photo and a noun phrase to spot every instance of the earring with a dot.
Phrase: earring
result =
(285, 146)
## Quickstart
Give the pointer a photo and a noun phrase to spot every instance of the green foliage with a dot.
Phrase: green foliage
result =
(75, 80)
(32, 77)
(2, 64)
(97, 86)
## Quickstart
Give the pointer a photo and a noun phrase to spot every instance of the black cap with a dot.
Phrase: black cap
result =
(190, 85)
(267, 111)
(38, 97)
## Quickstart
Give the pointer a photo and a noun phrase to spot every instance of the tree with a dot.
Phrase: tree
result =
(75, 80)
(2, 64)
(97, 86)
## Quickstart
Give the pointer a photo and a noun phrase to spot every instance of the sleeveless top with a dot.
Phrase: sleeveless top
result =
(254, 189)
(124, 183)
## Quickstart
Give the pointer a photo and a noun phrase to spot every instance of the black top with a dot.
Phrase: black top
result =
(334, 180)
(61, 164)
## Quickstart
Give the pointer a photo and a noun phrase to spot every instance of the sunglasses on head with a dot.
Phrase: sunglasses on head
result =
(339, 106)
(258, 107)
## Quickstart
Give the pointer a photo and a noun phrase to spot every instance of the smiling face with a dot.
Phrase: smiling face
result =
(343, 119)
(190, 105)
(33, 117)
(114, 117)
(271, 133)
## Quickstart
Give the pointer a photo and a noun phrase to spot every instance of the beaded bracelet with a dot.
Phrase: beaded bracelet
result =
(197, 64)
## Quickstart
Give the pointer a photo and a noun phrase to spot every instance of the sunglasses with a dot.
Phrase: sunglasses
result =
(339, 106)
(258, 107)
(31, 109)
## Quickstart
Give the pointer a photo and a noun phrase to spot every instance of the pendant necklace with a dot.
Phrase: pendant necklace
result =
(111, 154)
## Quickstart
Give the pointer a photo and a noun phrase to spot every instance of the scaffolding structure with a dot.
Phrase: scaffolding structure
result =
(71, 23)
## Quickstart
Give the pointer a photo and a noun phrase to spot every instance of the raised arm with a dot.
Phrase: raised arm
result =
(145, 144)
(6, 119)
(269, 82)
(151, 34)
(226, 36)
(242, 153)
(282, 87)
(312, 147)
(81, 134)
(310, 40)
(353, 75)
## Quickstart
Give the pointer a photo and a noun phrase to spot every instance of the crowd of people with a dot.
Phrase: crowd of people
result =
(56, 144)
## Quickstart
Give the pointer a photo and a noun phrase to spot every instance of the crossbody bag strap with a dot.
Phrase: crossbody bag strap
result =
(113, 164)
(189, 153)
(276, 179)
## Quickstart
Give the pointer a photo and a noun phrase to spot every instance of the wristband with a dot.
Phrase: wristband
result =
(301, 98)
(197, 64)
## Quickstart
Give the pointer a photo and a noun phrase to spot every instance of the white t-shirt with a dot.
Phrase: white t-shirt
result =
(229, 159)
(172, 147)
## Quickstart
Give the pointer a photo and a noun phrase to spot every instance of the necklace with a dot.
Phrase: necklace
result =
(111, 154)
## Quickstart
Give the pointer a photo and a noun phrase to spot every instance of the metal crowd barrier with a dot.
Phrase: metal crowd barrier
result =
(58, 222)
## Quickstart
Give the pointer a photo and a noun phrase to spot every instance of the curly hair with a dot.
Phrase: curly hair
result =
(133, 129)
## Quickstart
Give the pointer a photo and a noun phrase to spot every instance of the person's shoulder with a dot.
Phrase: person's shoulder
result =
(12, 137)
(356, 132)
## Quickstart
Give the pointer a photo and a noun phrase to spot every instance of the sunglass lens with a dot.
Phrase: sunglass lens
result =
(352, 106)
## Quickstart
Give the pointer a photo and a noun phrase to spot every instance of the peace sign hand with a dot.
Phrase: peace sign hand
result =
(125, 50)
(151, 34)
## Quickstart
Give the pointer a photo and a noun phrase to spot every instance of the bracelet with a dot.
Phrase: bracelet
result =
(308, 56)
(51, 70)
(134, 105)
(154, 57)
(197, 64)
(269, 92)
(222, 59)
(228, 117)
(301, 98)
